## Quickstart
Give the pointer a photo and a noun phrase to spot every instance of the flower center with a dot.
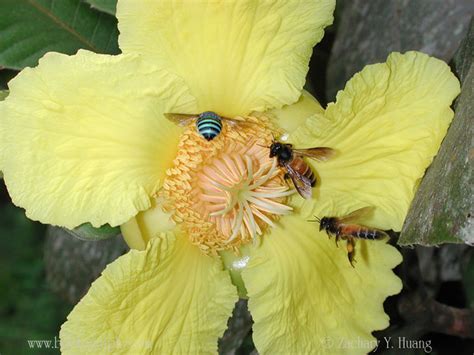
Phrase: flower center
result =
(226, 192)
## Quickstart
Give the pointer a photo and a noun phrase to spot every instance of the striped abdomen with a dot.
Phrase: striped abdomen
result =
(209, 125)
(300, 166)
(362, 232)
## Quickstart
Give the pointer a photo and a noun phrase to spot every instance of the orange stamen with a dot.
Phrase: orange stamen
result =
(226, 192)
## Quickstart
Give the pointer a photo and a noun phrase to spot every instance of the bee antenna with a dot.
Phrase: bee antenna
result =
(264, 146)
(316, 219)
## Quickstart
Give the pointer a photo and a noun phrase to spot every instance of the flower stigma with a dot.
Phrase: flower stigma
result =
(228, 191)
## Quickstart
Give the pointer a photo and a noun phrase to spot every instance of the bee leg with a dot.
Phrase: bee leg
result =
(338, 236)
(287, 178)
(351, 250)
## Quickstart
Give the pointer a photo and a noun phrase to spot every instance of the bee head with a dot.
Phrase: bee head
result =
(324, 223)
(275, 149)
(282, 151)
(209, 115)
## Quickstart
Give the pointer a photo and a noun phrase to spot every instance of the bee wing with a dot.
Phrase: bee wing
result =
(317, 153)
(181, 119)
(357, 215)
(301, 182)
(236, 121)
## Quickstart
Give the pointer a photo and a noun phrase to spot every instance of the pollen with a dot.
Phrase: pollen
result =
(226, 192)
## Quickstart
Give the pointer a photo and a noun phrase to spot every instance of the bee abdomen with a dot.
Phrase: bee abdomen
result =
(209, 126)
(308, 172)
(310, 175)
(304, 169)
(366, 233)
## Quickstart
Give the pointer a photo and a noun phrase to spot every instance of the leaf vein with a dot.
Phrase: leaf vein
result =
(63, 25)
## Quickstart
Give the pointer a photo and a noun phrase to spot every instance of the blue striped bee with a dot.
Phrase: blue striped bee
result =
(208, 124)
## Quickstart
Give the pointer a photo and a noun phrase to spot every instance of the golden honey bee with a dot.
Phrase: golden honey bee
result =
(345, 228)
(296, 168)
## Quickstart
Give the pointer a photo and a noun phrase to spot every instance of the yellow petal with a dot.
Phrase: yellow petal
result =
(235, 55)
(292, 116)
(84, 139)
(169, 299)
(305, 298)
(387, 126)
(146, 225)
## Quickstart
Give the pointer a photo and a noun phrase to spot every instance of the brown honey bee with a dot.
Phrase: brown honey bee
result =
(296, 168)
(345, 228)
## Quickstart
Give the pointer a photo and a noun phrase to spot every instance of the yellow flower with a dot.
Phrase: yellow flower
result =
(84, 139)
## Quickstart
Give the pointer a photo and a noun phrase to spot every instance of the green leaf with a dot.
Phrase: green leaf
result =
(30, 28)
(87, 232)
(108, 6)
(3, 94)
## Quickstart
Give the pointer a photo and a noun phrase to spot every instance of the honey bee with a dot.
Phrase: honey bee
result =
(208, 124)
(296, 168)
(345, 228)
